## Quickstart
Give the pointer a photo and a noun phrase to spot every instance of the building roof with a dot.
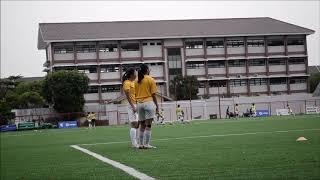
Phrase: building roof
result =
(162, 29)
(314, 69)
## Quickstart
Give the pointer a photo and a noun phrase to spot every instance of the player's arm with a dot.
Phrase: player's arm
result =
(154, 98)
(127, 93)
(153, 94)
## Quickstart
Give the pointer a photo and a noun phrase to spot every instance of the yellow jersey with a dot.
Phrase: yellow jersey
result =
(145, 89)
(129, 86)
(179, 111)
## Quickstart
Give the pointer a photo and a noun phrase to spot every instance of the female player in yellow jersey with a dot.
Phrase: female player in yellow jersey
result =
(147, 104)
(129, 90)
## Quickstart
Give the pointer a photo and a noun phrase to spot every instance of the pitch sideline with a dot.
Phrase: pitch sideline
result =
(207, 136)
(129, 170)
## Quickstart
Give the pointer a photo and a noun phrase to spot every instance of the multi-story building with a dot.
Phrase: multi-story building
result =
(240, 56)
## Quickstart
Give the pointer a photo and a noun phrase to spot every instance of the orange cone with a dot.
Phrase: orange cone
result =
(302, 139)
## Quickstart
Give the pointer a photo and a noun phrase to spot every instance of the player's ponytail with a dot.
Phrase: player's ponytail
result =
(144, 69)
(129, 72)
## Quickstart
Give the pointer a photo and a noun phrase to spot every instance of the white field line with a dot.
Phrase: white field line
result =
(207, 136)
(115, 164)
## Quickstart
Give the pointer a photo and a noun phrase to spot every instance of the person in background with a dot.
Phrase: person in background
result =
(180, 113)
(228, 113)
(128, 87)
(89, 119)
(93, 119)
(290, 110)
(253, 110)
(236, 111)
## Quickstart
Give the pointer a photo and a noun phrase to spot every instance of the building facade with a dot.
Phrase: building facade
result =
(229, 57)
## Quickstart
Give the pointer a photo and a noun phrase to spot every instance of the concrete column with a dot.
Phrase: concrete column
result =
(165, 68)
(285, 38)
(100, 95)
(97, 52)
(266, 53)
(268, 86)
(75, 53)
(184, 57)
(267, 66)
(288, 85)
(248, 87)
(52, 54)
(226, 56)
(119, 50)
(141, 50)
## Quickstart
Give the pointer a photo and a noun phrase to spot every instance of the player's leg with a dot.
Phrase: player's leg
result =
(142, 125)
(149, 114)
(134, 125)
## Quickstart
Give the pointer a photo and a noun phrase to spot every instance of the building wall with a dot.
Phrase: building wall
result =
(158, 54)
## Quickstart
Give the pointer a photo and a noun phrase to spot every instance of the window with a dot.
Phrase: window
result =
(258, 82)
(130, 47)
(297, 80)
(236, 63)
(215, 44)
(92, 89)
(255, 42)
(152, 44)
(110, 68)
(195, 65)
(235, 43)
(144, 44)
(216, 64)
(108, 48)
(275, 42)
(296, 61)
(65, 68)
(201, 84)
(194, 44)
(275, 62)
(153, 64)
(257, 62)
(217, 84)
(238, 82)
(110, 88)
(292, 42)
(277, 81)
(87, 69)
(159, 43)
(63, 49)
(86, 48)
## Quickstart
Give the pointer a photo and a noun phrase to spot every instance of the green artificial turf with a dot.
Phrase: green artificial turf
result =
(219, 149)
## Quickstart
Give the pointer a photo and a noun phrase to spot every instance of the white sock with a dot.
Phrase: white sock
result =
(133, 136)
(141, 138)
(147, 134)
(137, 136)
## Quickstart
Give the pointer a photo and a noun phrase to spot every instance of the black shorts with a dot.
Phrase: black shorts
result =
(93, 120)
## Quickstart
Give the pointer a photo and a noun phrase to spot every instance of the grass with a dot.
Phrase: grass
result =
(47, 154)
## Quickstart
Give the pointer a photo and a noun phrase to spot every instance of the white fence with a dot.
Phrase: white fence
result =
(203, 109)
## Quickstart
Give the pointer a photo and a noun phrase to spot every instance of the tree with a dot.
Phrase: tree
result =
(8, 84)
(314, 81)
(65, 89)
(5, 113)
(30, 100)
(184, 88)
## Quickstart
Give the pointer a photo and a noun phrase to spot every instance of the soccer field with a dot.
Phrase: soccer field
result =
(260, 148)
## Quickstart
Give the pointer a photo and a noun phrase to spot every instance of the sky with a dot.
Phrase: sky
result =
(20, 19)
